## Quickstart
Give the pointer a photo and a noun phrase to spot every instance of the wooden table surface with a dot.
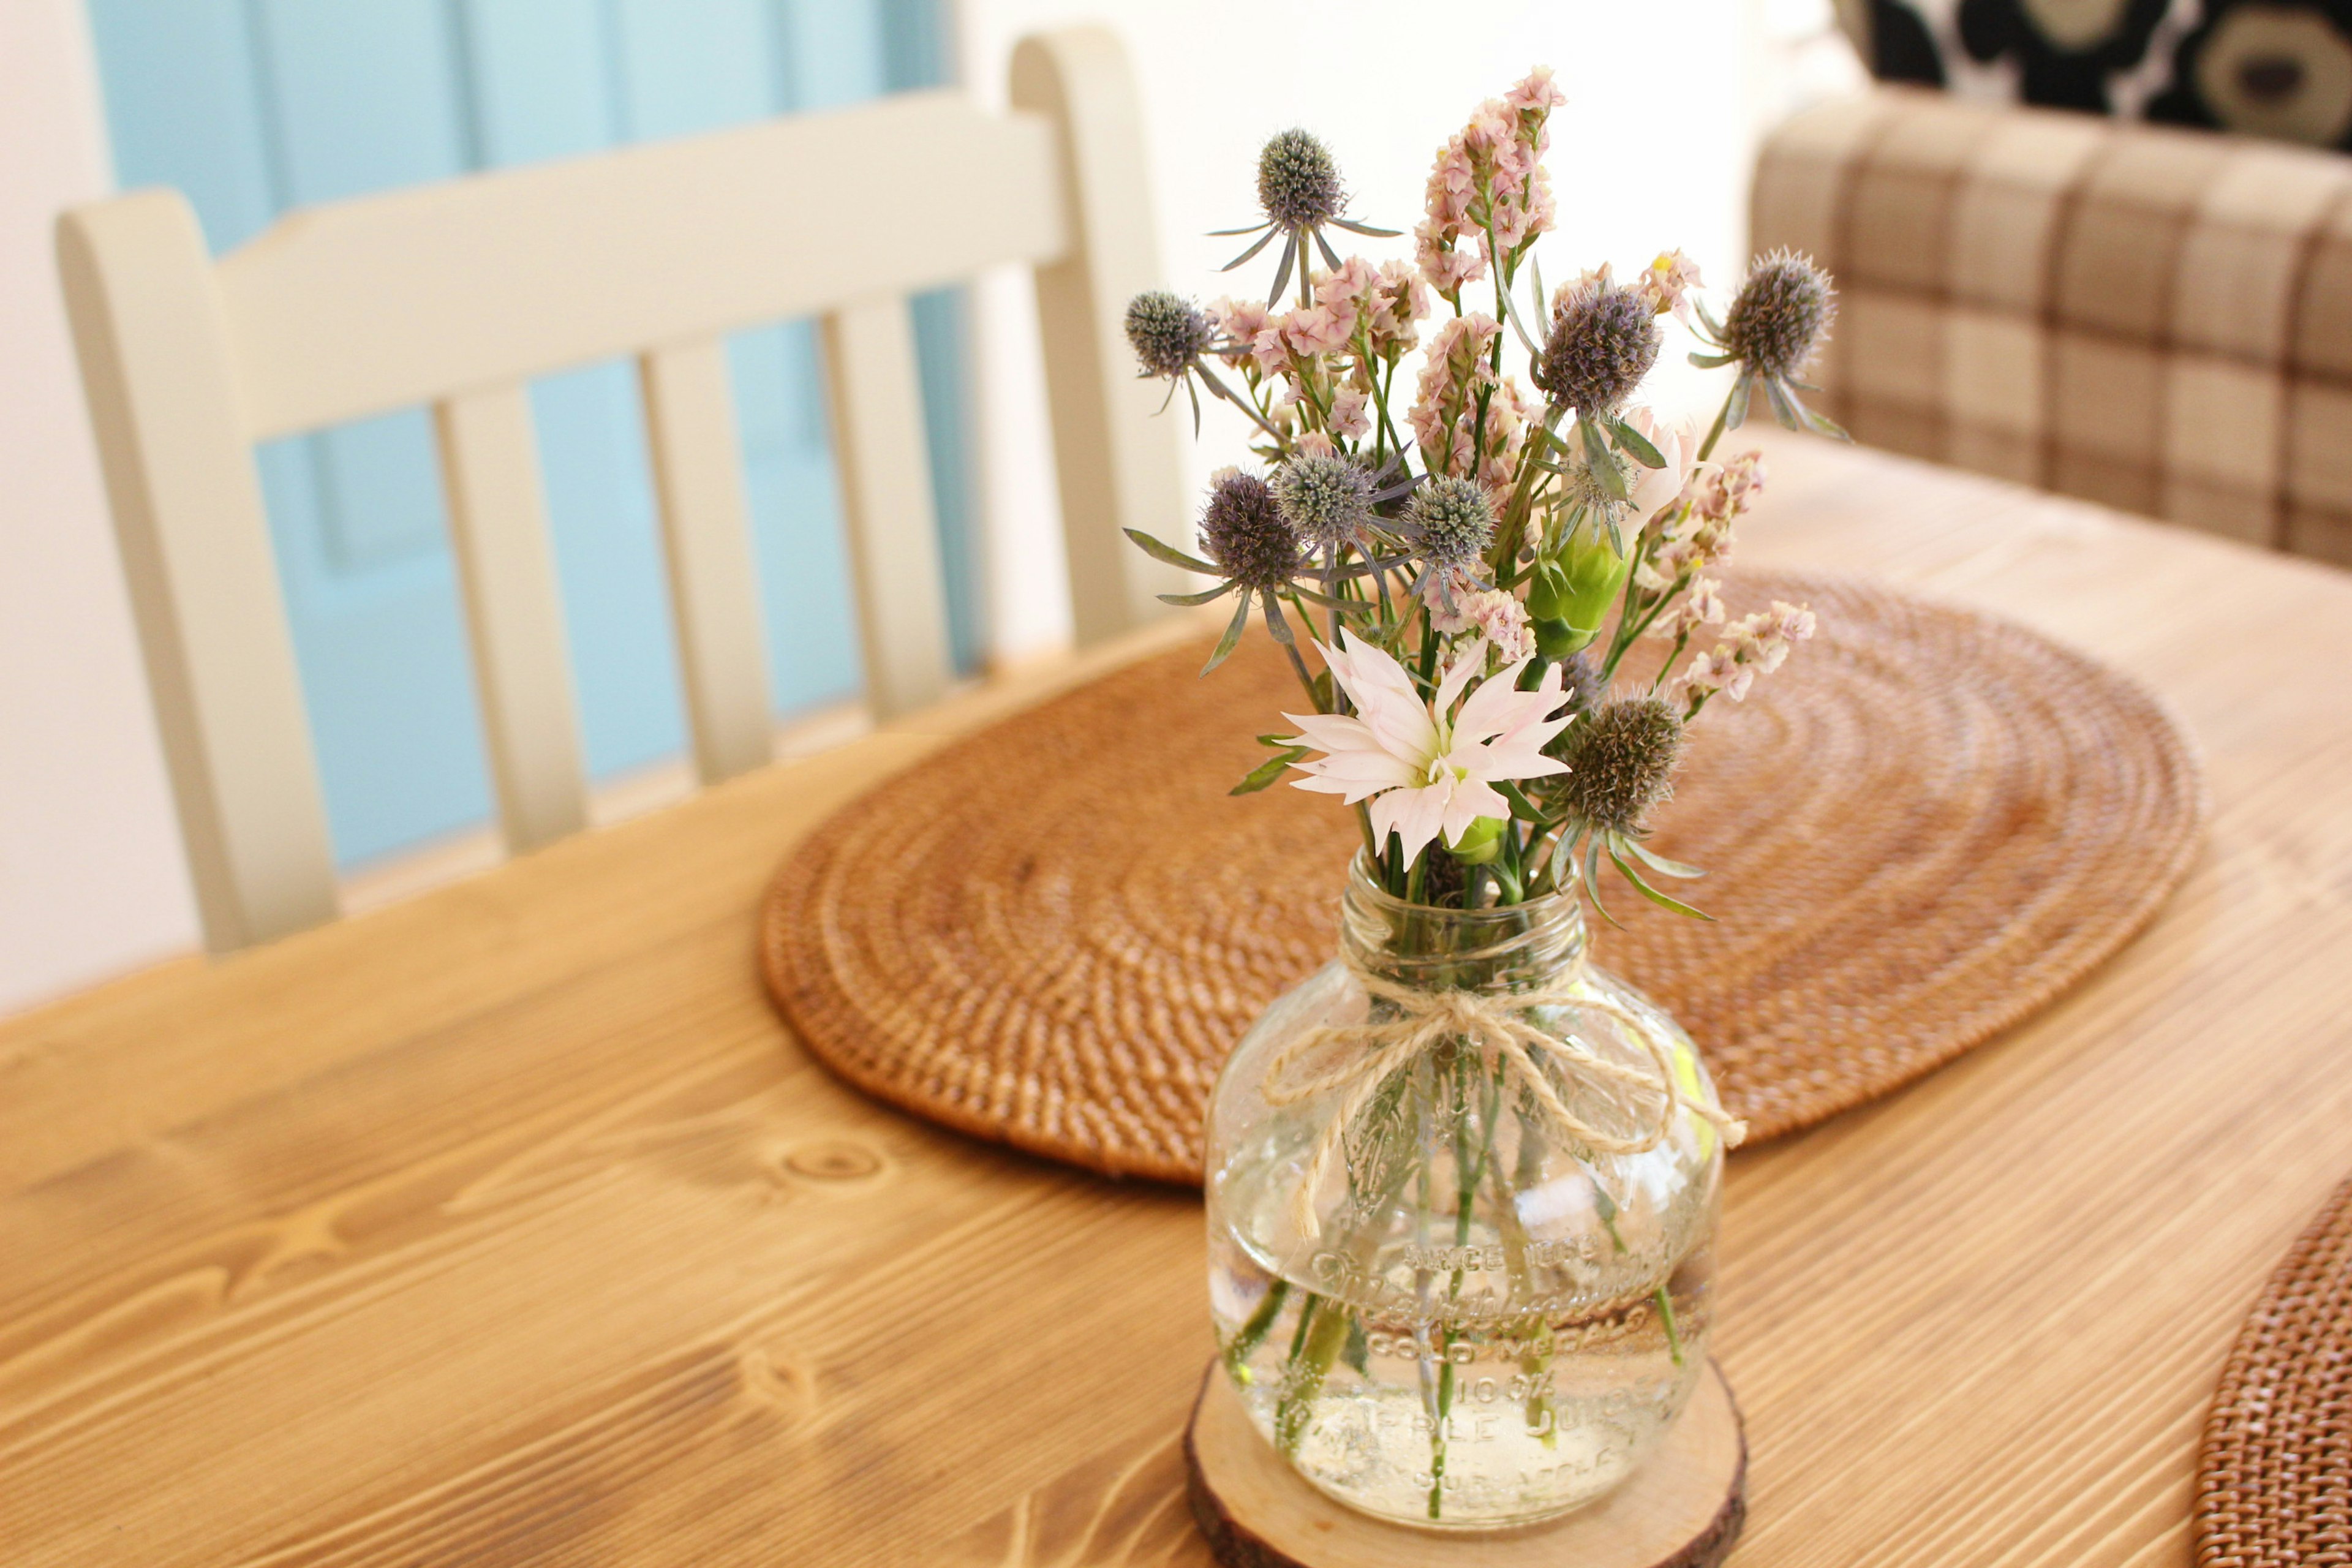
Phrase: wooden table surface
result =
(508, 1225)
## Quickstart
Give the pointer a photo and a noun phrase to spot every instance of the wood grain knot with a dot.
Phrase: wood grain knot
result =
(833, 1161)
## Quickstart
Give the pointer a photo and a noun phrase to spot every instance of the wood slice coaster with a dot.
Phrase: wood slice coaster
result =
(1923, 828)
(1683, 1509)
(2275, 1483)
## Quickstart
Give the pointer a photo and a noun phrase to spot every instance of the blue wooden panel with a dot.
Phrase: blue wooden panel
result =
(253, 105)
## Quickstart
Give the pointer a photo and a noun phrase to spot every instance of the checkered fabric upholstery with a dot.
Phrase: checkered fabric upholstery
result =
(2154, 319)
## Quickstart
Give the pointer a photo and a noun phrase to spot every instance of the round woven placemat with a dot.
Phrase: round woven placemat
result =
(2274, 1485)
(1924, 826)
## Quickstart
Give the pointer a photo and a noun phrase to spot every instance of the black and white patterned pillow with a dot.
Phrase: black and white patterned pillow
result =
(2267, 67)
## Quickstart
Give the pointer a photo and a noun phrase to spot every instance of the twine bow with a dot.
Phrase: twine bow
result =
(1491, 1022)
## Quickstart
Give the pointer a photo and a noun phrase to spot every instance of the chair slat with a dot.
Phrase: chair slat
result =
(713, 585)
(886, 489)
(1118, 466)
(514, 613)
(388, 302)
(157, 371)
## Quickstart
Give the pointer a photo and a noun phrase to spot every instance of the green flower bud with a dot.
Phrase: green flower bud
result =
(1480, 843)
(1593, 574)
(1547, 592)
(1556, 640)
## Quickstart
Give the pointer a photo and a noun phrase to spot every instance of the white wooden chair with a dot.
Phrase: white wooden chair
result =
(456, 295)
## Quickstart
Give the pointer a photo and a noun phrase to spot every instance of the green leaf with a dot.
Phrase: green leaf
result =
(1170, 555)
(1596, 453)
(1593, 879)
(1523, 808)
(1712, 362)
(1823, 425)
(1202, 597)
(1233, 636)
(1706, 319)
(1625, 869)
(1784, 407)
(1657, 862)
(1735, 407)
(1632, 441)
(1267, 772)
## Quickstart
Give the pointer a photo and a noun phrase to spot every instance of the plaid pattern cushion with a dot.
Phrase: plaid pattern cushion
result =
(2154, 319)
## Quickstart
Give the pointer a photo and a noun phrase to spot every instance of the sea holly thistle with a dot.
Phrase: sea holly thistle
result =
(1475, 517)
(1298, 190)
(1780, 315)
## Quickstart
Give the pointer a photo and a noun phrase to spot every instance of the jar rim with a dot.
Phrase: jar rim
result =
(1544, 906)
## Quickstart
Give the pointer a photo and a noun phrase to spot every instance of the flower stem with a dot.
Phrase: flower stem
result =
(1243, 1345)
(1666, 1316)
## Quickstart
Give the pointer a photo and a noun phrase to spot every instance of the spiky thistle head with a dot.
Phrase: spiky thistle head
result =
(1581, 679)
(1582, 484)
(1168, 331)
(1451, 523)
(1620, 760)
(1780, 315)
(1299, 180)
(1245, 532)
(1328, 499)
(1604, 340)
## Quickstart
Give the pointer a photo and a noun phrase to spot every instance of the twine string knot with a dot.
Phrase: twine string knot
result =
(1360, 1058)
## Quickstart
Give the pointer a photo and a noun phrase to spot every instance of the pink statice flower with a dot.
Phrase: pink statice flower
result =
(1452, 375)
(1493, 613)
(1719, 669)
(1350, 418)
(1702, 606)
(1667, 283)
(1238, 324)
(1426, 768)
(1399, 300)
(1317, 329)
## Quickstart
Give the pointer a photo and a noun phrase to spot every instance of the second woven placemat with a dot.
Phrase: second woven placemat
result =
(1927, 825)
(2274, 1482)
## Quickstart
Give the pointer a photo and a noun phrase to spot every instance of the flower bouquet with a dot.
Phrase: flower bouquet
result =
(1464, 1183)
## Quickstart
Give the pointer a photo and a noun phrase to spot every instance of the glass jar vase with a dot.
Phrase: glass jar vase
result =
(1463, 1194)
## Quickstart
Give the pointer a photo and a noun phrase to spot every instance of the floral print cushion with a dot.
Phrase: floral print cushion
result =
(2280, 68)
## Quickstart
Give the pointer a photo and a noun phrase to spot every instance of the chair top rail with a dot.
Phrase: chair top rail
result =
(362, 307)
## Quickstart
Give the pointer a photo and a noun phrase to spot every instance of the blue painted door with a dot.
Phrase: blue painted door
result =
(252, 106)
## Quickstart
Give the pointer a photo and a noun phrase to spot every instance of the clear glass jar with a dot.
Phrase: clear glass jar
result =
(1480, 1319)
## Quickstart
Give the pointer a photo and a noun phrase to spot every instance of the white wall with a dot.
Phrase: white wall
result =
(1651, 151)
(90, 876)
(1664, 98)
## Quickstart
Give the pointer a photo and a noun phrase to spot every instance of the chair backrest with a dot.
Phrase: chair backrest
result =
(456, 295)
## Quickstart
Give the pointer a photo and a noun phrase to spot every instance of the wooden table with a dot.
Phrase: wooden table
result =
(508, 1225)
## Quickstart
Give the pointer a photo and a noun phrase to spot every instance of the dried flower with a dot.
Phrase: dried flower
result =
(1238, 322)
(1299, 180)
(1780, 315)
(1667, 283)
(1719, 669)
(1350, 412)
(1495, 614)
(1425, 769)
(1243, 532)
(1604, 340)
(1581, 678)
(1327, 499)
(1620, 763)
(1169, 332)
(1450, 524)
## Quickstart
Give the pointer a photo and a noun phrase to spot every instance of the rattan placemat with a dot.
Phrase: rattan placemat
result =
(2274, 1485)
(1927, 825)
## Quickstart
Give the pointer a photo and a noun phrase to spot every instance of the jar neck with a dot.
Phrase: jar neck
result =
(1502, 948)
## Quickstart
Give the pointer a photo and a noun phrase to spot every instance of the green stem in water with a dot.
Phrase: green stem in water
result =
(1322, 1331)
(1243, 1345)
(1666, 1316)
